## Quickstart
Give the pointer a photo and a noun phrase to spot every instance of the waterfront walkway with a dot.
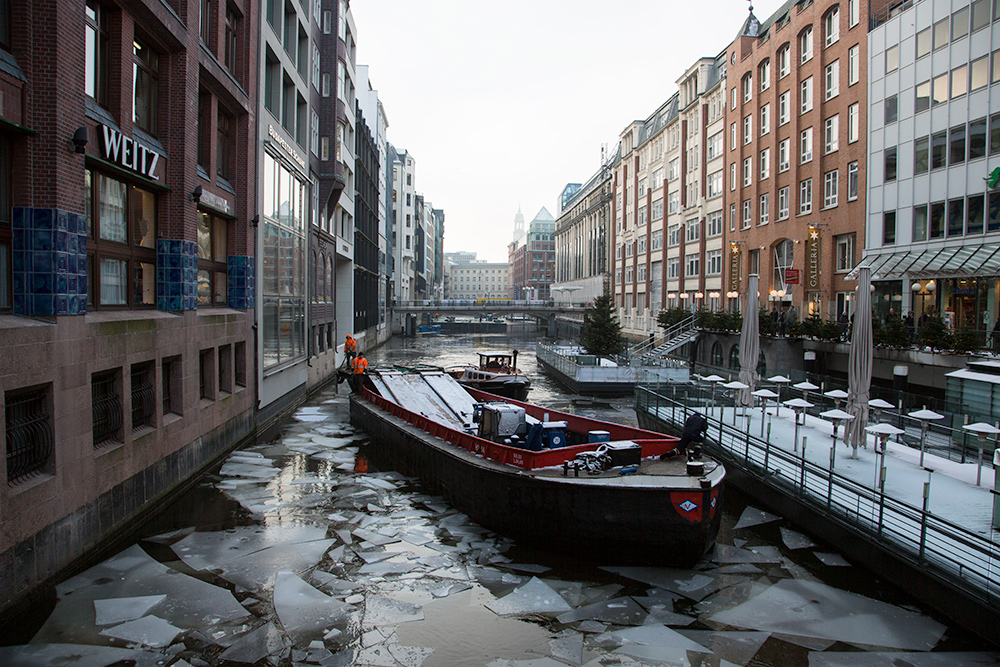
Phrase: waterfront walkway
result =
(950, 536)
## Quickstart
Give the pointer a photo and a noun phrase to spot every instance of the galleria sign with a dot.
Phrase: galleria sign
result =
(128, 153)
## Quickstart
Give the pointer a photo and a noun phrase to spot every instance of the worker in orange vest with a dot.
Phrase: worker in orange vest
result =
(359, 365)
(350, 350)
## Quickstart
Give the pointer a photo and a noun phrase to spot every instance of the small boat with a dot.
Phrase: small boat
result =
(497, 373)
(429, 329)
(596, 489)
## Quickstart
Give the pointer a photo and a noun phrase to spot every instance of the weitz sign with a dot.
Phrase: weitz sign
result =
(128, 153)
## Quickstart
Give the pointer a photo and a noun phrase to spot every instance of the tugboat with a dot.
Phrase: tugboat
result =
(593, 488)
(497, 373)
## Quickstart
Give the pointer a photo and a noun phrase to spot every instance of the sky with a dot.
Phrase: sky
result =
(502, 104)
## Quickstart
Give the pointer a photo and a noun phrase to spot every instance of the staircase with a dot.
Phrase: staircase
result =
(651, 352)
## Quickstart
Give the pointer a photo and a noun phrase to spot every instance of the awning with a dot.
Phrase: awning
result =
(956, 261)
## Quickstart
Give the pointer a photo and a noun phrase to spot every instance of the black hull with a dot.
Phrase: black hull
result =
(613, 522)
(508, 389)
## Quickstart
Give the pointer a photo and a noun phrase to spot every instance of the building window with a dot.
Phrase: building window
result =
(6, 236)
(693, 232)
(145, 79)
(784, 61)
(832, 79)
(977, 139)
(939, 150)
(830, 186)
(941, 34)
(765, 119)
(853, 121)
(891, 107)
(226, 368)
(889, 228)
(853, 12)
(957, 144)
(765, 209)
(959, 81)
(206, 374)
(960, 23)
(892, 59)
(921, 155)
(692, 265)
(29, 435)
(845, 253)
(747, 213)
(121, 226)
(747, 88)
(673, 235)
(212, 255)
(747, 130)
(783, 155)
(923, 97)
(979, 73)
(141, 386)
(852, 181)
(831, 26)
(283, 253)
(747, 172)
(764, 73)
(806, 145)
(229, 56)
(713, 224)
(205, 23)
(853, 65)
(806, 45)
(980, 14)
(713, 263)
(96, 85)
(225, 145)
(890, 165)
(939, 90)
(783, 203)
(806, 196)
(674, 267)
(783, 107)
(806, 95)
(106, 407)
(831, 134)
(923, 42)
(765, 163)
(171, 396)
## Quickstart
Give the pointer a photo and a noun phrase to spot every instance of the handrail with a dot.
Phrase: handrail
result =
(669, 334)
(952, 553)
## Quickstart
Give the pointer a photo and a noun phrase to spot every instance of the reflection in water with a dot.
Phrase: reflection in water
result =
(298, 551)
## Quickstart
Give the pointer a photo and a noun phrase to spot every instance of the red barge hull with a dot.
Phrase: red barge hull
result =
(667, 520)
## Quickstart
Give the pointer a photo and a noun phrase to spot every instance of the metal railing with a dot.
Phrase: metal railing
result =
(956, 555)
(29, 436)
(568, 363)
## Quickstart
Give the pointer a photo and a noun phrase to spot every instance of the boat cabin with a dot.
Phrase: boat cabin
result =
(497, 362)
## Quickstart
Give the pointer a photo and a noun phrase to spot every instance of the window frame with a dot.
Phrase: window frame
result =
(148, 66)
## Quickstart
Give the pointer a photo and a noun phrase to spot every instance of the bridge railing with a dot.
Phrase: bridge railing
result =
(479, 305)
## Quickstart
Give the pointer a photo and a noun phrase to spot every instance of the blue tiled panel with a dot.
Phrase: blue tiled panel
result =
(240, 277)
(49, 262)
(176, 274)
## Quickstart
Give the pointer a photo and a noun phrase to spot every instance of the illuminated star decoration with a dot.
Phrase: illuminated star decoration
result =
(814, 234)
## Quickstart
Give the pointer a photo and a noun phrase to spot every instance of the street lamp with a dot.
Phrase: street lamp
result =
(878, 405)
(982, 430)
(763, 394)
(883, 431)
(837, 395)
(736, 386)
(713, 379)
(806, 386)
(836, 416)
(799, 405)
(779, 380)
(925, 416)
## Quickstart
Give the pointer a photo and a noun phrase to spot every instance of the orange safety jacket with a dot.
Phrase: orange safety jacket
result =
(360, 365)
(350, 345)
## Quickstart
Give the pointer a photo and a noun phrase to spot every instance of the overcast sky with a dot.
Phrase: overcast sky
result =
(503, 104)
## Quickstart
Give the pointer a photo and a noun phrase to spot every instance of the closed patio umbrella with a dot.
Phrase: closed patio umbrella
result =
(859, 371)
(749, 344)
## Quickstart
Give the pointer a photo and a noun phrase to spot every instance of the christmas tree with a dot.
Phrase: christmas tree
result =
(601, 330)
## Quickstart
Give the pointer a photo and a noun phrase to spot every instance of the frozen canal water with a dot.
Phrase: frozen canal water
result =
(292, 554)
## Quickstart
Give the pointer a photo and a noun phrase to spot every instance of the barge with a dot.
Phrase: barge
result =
(559, 481)
(584, 374)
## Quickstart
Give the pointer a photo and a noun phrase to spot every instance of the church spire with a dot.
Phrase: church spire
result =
(751, 27)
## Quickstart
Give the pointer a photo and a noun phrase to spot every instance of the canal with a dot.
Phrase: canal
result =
(296, 552)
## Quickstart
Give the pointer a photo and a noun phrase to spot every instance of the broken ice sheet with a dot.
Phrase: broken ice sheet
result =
(833, 560)
(754, 517)
(255, 645)
(148, 631)
(620, 611)
(380, 611)
(854, 659)
(535, 597)
(812, 609)
(656, 635)
(569, 648)
(409, 656)
(592, 627)
(794, 540)
(304, 612)
(663, 655)
(533, 662)
(118, 610)
(736, 647)
(691, 585)
(190, 603)
(727, 554)
(83, 655)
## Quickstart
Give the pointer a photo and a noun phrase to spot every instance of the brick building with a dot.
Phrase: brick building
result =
(532, 258)
(796, 153)
(125, 304)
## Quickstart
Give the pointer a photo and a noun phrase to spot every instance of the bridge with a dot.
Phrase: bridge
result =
(405, 313)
